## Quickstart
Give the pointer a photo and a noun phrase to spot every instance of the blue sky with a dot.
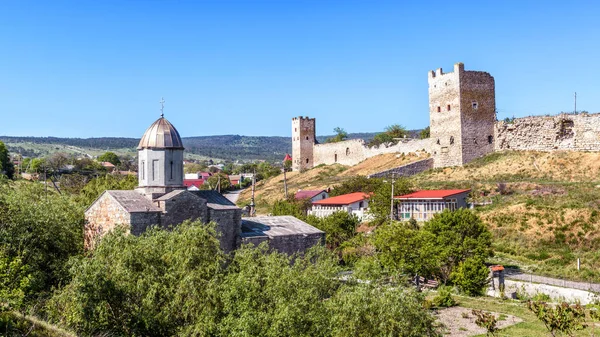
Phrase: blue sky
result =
(99, 68)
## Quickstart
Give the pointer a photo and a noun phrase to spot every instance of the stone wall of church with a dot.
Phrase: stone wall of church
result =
(184, 206)
(288, 244)
(229, 226)
(549, 133)
(103, 216)
(140, 222)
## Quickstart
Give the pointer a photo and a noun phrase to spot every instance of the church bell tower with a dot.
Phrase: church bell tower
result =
(160, 159)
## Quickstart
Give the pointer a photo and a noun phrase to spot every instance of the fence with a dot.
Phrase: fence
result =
(517, 275)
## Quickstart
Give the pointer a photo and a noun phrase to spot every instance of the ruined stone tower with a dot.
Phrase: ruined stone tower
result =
(462, 113)
(303, 140)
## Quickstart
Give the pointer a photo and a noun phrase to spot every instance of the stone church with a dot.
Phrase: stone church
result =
(162, 200)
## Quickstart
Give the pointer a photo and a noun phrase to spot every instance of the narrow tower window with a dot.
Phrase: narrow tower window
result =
(490, 139)
(307, 160)
(439, 109)
(335, 157)
(347, 151)
(306, 137)
(448, 107)
(143, 170)
(171, 170)
(474, 104)
(451, 140)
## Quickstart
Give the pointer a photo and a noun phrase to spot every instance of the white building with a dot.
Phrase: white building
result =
(354, 203)
(313, 195)
(423, 205)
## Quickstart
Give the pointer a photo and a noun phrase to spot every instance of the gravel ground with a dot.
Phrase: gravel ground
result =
(460, 322)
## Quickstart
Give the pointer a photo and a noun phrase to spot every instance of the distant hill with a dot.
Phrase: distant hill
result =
(225, 147)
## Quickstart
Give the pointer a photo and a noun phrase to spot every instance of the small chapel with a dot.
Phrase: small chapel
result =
(161, 199)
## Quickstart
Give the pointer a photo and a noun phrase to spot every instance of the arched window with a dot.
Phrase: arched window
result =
(306, 137)
(347, 151)
(307, 160)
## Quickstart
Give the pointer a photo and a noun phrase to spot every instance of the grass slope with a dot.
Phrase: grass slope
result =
(544, 211)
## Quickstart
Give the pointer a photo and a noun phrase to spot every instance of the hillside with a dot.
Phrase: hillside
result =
(225, 147)
(542, 208)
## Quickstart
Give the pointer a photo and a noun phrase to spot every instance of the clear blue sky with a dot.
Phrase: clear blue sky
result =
(99, 68)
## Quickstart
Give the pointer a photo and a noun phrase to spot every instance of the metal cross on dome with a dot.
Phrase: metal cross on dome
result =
(162, 107)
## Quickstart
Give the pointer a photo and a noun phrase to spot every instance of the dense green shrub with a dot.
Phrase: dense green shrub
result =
(443, 298)
(471, 276)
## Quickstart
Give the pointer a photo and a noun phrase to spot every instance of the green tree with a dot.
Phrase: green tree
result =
(93, 189)
(6, 165)
(149, 285)
(194, 168)
(291, 206)
(340, 135)
(402, 250)
(218, 181)
(391, 134)
(471, 276)
(339, 227)
(425, 133)
(41, 230)
(459, 235)
(265, 294)
(110, 157)
(370, 310)
(14, 282)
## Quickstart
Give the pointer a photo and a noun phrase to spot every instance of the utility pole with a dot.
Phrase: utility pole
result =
(285, 182)
(392, 201)
(575, 103)
(252, 204)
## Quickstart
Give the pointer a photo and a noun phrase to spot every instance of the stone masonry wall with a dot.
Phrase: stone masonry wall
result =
(101, 218)
(229, 226)
(444, 117)
(354, 151)
(184, 206)
(407, 170)
(288, 244)
(303, 141)
(141, 221)
(548, 133)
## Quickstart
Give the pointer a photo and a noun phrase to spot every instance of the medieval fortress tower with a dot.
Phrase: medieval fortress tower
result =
(463, 127)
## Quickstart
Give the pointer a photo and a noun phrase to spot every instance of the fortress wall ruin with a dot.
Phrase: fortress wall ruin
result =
(549, 133)
(352, 152)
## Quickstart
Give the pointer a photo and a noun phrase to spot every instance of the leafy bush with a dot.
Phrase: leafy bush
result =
(487, 321)
(471, 276)
(562, 317)
(338, 227)
(444, 298)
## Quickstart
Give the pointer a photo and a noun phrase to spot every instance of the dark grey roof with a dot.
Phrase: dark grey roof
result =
(170, 195)
(133, 202)
(273, 226)
(214, 199)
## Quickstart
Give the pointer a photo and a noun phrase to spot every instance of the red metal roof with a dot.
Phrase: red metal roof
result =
(193, 182)
(287, 157)
(345, 199)
(307, 194)
(431, 194)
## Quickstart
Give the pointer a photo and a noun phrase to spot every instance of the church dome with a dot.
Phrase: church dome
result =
(161, 135)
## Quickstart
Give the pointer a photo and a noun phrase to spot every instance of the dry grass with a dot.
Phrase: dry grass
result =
(382, 162)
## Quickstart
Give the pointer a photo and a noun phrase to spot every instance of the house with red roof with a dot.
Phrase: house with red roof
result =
(354, 203)
(313, 195)
(423, 205)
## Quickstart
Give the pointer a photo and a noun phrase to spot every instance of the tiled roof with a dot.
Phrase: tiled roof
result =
(215, 200)
(345, 199)
(273, 226)
(431, 194)
(133, 202)
(307, 194)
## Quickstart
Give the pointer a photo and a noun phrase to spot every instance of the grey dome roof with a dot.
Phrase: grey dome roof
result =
(161, 135)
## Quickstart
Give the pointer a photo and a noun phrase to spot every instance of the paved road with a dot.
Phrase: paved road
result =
(233, 196)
